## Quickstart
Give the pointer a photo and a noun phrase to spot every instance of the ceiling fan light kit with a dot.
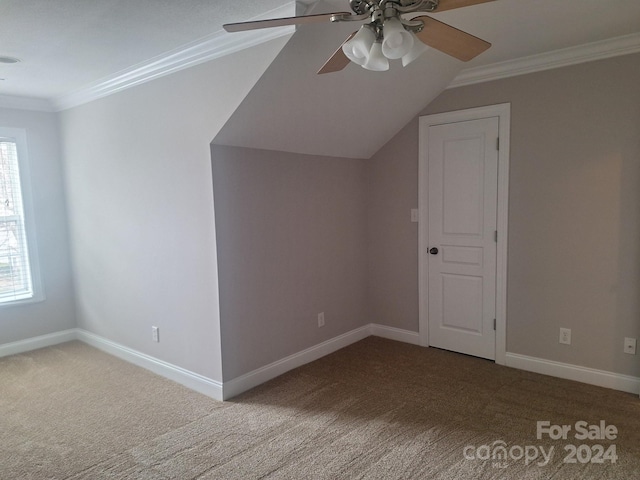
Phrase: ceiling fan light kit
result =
(397, 41)
(376, 61)
(394, 30)
(365, 50)
(359, 47)
(387, 28)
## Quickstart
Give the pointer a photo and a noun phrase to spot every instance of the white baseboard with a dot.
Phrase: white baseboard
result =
(34, 343)
(393, 333)
(263, 374)
(231, 388)
(192, 380)
(600, 378)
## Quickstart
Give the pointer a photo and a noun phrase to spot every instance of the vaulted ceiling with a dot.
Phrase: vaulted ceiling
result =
(351, 113)
(354, 112)
(70, 46)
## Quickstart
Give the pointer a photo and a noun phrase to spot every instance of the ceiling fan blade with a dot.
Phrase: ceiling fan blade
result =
(338, 60)
(450, 40)
(451, 4)
(281, 22)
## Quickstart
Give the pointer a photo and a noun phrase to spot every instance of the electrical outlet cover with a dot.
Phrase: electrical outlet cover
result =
(630, 345)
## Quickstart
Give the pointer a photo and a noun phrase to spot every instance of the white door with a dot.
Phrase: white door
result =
(462, 199)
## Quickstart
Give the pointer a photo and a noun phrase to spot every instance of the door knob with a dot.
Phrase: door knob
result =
(433, 251)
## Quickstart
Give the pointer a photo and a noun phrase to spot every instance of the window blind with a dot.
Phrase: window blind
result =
(15, 271)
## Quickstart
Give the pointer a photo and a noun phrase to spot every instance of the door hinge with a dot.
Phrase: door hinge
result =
(494, 323)
(495, 236)
(498, 143)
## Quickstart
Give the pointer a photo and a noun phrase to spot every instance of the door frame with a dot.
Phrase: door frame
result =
(503, 112)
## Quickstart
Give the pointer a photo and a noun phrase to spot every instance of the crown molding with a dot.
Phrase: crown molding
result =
(589, 52)
(26, 103)
(220, 44)
(216, 45)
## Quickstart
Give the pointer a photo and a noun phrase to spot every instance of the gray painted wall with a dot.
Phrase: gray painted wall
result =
(291, 237)
(302, 234)
(392, 191)
(574, 213)
(138, 170)
(57, 311)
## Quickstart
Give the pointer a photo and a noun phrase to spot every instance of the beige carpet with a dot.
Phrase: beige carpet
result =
(377, 409)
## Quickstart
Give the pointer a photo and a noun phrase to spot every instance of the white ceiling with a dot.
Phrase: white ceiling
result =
(346, 114)
(521, 28)
(67, 45)
(353, 113)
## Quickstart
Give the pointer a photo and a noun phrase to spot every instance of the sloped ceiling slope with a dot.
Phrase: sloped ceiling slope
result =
(349, 114)
(354, 112)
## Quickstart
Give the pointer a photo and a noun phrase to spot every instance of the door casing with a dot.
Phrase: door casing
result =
(503, 112)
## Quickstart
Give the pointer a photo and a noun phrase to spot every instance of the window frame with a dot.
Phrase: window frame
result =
(19, 137)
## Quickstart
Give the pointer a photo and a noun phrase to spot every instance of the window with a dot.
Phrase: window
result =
(17, 268)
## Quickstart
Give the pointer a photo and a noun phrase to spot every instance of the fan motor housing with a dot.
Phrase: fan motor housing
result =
(359, 7)
(362, 7)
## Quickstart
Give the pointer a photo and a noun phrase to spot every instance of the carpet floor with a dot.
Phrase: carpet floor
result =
(377, 409)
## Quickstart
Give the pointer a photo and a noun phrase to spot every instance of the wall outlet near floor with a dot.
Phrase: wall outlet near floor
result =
(630, 346)
(321, 319)
(155, 334)
(414, 215)
(565, 336)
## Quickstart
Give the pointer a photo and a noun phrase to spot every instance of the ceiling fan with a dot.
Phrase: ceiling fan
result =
(395, 29)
